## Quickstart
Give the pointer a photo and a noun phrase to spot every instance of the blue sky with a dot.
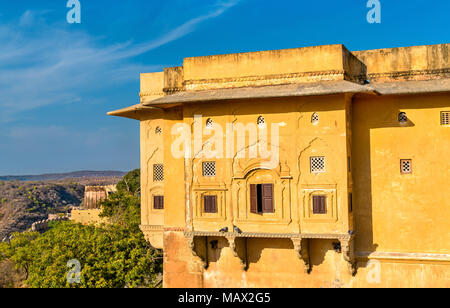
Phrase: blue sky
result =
(58, 80)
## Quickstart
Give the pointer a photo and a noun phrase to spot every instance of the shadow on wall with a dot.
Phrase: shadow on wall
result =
(387, 110)
(362, 171)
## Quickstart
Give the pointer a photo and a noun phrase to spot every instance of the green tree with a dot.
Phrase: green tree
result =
(123, 209)
(110, 257)
(131, 182)
(114, 255)
(16, 250)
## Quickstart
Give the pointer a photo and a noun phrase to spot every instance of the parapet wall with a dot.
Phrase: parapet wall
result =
(406, 63)
(273, 67)
(87, 217)
(299, 65)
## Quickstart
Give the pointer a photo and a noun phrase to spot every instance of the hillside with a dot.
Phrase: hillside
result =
(62, 176)
(23, 203)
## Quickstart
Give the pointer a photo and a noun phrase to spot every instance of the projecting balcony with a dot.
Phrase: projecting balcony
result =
(200, 240)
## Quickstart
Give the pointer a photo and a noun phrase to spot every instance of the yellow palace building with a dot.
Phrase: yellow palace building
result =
(307, 167)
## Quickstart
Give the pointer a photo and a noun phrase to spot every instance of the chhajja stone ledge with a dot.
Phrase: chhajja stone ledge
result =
(297, 90)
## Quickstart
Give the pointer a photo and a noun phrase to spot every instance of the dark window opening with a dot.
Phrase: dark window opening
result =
(319, 204)
(158, 202)
(350, 202)
(261, 198)
(210, 204)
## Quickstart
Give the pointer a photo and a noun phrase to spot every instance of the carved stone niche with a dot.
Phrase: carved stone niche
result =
(301, 247)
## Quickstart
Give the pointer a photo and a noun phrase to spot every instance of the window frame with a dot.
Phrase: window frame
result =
(203, 169)
(261, 202)
(402, 171)
(155, 178)
(445, 118)
(319, 205)
(208, 207)
(324, 170)
(158, 199)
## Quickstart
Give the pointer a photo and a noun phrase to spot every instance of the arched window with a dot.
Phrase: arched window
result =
(158, 130)
(315, 118)
(402, 118)
(209, 123)
(261, 122)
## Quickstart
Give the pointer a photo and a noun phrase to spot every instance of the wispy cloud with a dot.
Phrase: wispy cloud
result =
(42, 64)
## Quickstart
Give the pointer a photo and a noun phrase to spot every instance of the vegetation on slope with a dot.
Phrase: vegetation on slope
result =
(23, 203)
(114, 255)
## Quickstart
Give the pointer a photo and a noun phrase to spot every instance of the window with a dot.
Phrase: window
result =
(210, 204)
(317, 164)
(158, 173)
(261, 122)
(158, 130)
(158, 202)
(349, 164)
(209, 123)
(209, 169)
(350, 202)
(406, 166)
(445, 118)
(319, 204)
(315, 118)
(261, 198)
(402, 118)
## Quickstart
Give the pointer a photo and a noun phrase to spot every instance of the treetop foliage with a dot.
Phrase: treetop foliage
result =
(110, 257)
(131, 182)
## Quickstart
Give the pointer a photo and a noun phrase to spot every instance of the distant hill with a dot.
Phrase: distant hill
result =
(30, 198)
(23, 203)
(62, 176)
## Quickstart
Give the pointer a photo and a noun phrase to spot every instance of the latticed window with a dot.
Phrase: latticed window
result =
(406, 166)
(315, 118)
(402, 118)
(261, 122)
(209, 123)
(158, 173)
(317, 164)
(445, 118)
(209, 169)
(158, 130)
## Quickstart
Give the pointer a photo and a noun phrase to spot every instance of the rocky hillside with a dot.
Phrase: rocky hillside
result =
(23, 203)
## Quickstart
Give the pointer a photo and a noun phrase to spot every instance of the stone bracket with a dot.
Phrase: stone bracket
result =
(348, 254)
(232, 242)
(300, 242)
(301, 247)
(203, 259)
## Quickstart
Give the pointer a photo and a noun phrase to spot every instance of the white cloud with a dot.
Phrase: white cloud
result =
(43, 64)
